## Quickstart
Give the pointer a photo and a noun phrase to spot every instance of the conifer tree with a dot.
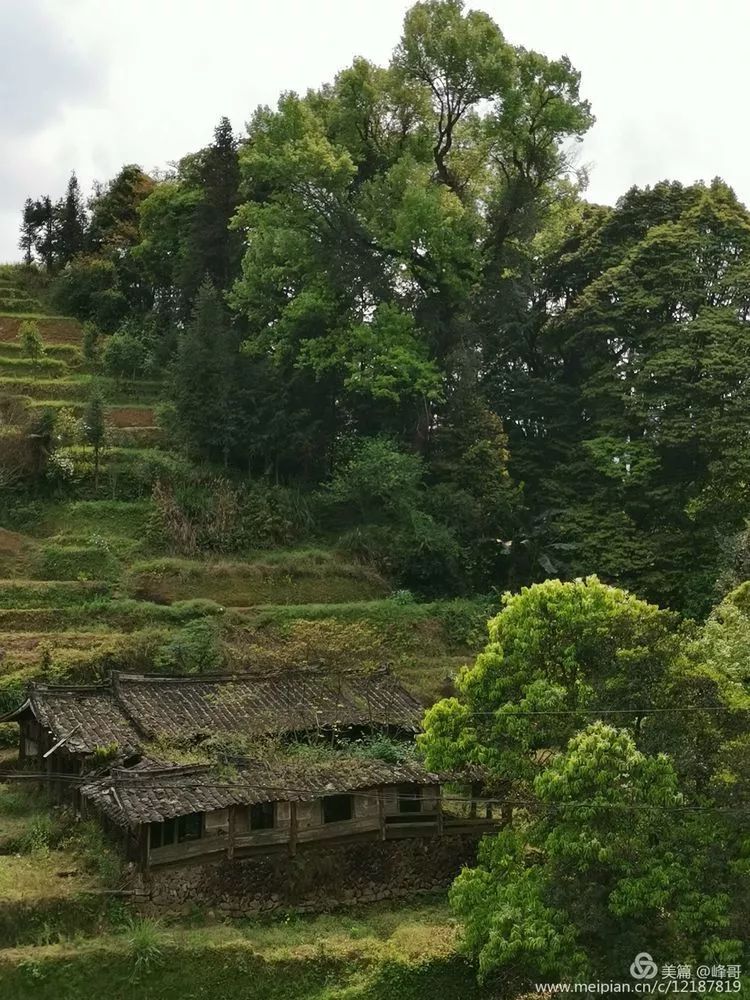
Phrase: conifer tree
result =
(213, 248)
(43, 214)
(203, 382)
(70, 223)
(28, 232)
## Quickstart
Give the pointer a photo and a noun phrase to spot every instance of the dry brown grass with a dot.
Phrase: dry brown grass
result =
(131, 416)
(54, 329)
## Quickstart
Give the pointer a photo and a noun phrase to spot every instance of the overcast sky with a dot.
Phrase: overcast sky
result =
(92, 84)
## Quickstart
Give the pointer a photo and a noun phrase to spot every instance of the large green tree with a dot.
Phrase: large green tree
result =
(367, 216)
(559, 655)
(625, 390)
(185, 225)
(618, 736)
(610, 864)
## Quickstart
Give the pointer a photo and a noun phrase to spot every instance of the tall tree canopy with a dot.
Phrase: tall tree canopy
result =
(619, 737)
(405, 254)
(632, 370)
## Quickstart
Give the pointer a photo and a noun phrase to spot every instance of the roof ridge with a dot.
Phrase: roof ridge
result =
(118, 773)
(70, 688)
(240, 676)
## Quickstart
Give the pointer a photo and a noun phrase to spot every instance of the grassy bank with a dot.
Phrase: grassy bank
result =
(375, 954)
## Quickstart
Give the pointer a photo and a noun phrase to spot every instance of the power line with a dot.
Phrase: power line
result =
(615, 711)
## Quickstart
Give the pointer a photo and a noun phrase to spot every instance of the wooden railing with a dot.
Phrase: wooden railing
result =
(291, 839)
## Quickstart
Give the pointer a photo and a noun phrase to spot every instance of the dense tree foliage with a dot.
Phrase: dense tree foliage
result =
(582, 712)
(385, 315)
(405, 254)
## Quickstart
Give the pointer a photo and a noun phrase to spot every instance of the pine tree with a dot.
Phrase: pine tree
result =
(70, 223)
(28, 232)
(204, 382)
(213, 248)
(44, 215)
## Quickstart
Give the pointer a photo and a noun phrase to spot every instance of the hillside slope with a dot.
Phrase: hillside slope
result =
(85, 586)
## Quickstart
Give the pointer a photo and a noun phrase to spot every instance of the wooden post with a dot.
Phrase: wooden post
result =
(381, 812)
(231, 832)
(144, 832)
(292, 829)
(439, 809)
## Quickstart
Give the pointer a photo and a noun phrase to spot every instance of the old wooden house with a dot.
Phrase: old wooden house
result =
(111, 751)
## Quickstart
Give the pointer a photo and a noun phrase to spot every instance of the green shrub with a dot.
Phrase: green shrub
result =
(215, 516)
(8, 730)
(382, 748)
(126, 356)
(275, 515)
(44, 833)
(14, 800)
(92, 562)
(25, 366)
(12, 694)
(195, 649)
(418, 551)
(87, 289)
(31, 341)
(374, 479)
(29, 596)
(94, 852)
(136, 652)
(465, 621)
(90, 343)
(144, 939)
(402, 597)
(382, 490)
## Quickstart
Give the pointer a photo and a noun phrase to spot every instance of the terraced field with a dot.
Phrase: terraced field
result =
(85, 587)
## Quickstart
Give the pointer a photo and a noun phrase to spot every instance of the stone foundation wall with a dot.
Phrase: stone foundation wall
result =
(316, 879)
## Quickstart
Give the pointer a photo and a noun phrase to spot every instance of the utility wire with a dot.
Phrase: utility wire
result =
(616, 711)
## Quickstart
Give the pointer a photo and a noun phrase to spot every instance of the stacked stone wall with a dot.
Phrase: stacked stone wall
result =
(318, 878)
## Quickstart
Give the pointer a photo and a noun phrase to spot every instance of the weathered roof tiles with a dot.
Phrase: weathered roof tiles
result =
(133, 709)
(149, 795)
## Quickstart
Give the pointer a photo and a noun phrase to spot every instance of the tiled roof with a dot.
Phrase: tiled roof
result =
(132, 709)
(87, 716)
(285, 701)
(147, 795)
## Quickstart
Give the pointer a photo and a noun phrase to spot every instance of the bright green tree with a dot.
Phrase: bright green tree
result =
(610, 864)
(31, 341)
(559, 655)
(367, 218)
